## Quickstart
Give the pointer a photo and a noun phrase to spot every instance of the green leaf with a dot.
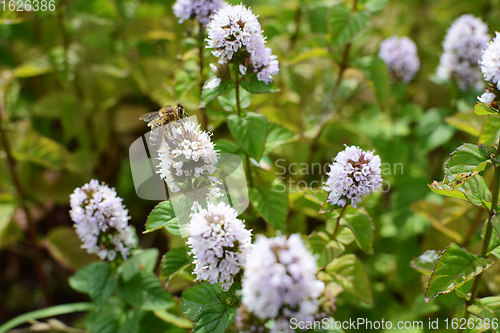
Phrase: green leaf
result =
(172, 262)
(487, 308)
(42, 151)
(249, 132)
(142, 260)
(362, 228)
(144, 291)
(253, 85)
(316, 16)
(163, 215)
(196, 296)
(467, 122)
(474, 189)
(276, 136)
(64, 245)
(214, 318)
(490, 131)
(432, 129)
(374, 5)
(39, 66)
(327, 249)
(425, 262)
(228, 101)
(482, 109)
(271, 203)
(344, 26)
(6, 212)
(97, 279)
(453, 268)
(44, 313)
(495, 222)
(223, 88)
(468, 158)
(348, 272)
(376, 72)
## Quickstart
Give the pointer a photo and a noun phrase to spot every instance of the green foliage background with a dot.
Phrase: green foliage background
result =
(74, 82)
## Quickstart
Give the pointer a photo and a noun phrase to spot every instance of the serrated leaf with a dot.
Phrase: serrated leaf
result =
(228, 101)
(482, 109)
(468, 158)
(344, 26)
(144, 291)
(327, 249)
(143, 260)
(223, 88)
(163, 215)
(214, 318)
(467, 122)
(349, 273)
(271, 203)
(249, 132)
(453, 268)
(487, 308)
(42, 151)
(362, 228)
(474, 189)
(253, 85)
(276, 136)
(490, 131)
(172, 262)
(425, 262)
(196, 296)
(97, 279)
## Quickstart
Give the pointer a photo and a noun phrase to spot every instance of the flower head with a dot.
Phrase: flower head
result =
(463, 46)
(400, 56)
(280, 281)
(236, 36)
(355, 173)
(101, 221)
(219, 243)
(202, 10)
(187, 153)
(490, 62)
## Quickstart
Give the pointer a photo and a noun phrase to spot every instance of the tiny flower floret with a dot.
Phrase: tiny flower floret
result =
(236, 36)
(219, 243)
(280, 281)
(355, 173)
(101, 221)
(463, 45)
(201, 10)
(400, 56)
(487, 97)
(490, 62)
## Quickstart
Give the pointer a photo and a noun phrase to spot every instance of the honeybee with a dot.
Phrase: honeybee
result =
(159, 118)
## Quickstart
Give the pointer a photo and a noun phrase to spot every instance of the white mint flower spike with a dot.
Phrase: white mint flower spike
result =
(464, 43)
(186, 153)
(400, 56)
(236, 36)
(355, 173)
(201, 10)
(490, 62)
(219, 243)
(101, 221)
(280, 281)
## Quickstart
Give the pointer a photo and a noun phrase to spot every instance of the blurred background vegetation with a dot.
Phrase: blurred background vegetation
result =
(74, 81)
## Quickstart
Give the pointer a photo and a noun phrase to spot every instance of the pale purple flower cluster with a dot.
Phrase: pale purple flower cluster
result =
(490, 62)
(101, 221)
(401, 58)
(186, 153)
(463, 45)
(219, 243)
(280, 281)
(201, 10)
(355, 173)
(236, 36)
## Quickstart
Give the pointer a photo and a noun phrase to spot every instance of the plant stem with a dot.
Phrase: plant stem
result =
(238, 110)
(336, 231)
(487, 236)
(204, 117)
(37, 260)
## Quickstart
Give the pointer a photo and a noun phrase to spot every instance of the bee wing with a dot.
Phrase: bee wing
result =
(150, 116)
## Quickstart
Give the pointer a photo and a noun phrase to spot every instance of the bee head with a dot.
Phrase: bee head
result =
(182, 112)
